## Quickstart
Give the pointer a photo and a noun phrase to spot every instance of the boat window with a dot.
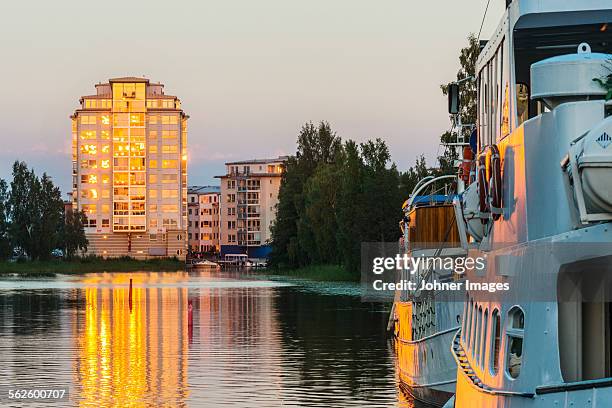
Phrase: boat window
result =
(516, 324)
(478, 336)
(522, 103)
(496, 339)
(466, 322)
(535, 41)
(473, 328)
(483, 341)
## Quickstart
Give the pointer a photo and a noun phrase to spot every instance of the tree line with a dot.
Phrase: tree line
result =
(334, 195)
(33, 220)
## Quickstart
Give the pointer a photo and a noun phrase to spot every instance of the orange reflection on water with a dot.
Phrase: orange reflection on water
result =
(132, 357)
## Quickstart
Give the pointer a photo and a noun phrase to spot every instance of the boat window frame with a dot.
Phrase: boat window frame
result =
(491, 93)
(467, 321)
(483, 341)
(513, 332)
(496, 333)
(478, 335)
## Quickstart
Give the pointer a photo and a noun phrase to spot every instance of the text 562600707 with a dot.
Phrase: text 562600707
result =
(35, 393)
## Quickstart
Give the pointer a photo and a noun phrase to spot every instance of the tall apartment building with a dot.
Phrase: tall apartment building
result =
(249, 194)
(129, 169)
(203, 219)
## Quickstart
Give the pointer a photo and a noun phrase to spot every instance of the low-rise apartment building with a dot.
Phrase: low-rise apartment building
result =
(249, 194)
(203, 219)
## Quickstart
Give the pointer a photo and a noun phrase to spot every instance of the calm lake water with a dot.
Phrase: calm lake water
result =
(199, 339)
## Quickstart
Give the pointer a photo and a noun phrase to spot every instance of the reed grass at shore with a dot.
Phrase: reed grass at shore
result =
(88, 265)
(323, 273)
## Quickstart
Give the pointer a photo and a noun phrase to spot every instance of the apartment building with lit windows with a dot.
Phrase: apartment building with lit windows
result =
(203, 219)
(249, 194)
(129, 169)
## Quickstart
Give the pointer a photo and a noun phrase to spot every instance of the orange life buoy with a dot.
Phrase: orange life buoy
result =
(465, 168)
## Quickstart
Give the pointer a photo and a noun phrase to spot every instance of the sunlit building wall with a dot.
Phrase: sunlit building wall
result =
(249, 194)
(129, 168)
(203, 219)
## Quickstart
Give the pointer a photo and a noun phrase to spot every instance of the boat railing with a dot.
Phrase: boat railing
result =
(431, 336)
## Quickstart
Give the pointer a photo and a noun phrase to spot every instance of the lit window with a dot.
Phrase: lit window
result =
(88, 120)
(153, 164)
(89, 149)
(137, 119)
(152, 193)
(169, 134)
(169, 149)
(169, 222)
(153, 119)
(105, 164)
(170, 193)
(105, 209)
(153, 134)
(92, 179)
(88, 134)
(105, 179)
(169, 164)
(89, 209)
(105, 134)
(152, 178)
(105, 149)
(153, 223)
(169, 178)
(169, 208)
(153, 149)
(169, 119)
(89, 164)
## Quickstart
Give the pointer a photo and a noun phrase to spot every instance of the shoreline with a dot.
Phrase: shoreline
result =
(317, 273)
(87, 265)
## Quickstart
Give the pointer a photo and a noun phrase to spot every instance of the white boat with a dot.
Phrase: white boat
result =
(543, 206)
(205, 263)
(425, 322)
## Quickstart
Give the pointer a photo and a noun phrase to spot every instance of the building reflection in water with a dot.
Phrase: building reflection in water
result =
(134, 357)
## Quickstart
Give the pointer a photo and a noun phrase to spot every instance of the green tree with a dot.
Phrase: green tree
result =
(72, 234)
(22, 205)
(5, 243)
(351, 213)
(318, 224)
(35, 213)
(315, 145)
(49, 218)
(410, 178)
(467, 103)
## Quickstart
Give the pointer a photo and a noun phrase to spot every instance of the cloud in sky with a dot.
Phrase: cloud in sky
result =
(249, 73)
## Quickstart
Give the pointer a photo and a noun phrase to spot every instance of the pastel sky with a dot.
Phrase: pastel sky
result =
(249, 73)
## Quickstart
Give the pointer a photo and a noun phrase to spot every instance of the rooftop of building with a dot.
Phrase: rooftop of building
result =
(129, 79)
(259, 161)
(204, 189)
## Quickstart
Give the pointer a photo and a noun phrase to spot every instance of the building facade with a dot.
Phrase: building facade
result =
(203, 220)
(129, 169)
(249, 194)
